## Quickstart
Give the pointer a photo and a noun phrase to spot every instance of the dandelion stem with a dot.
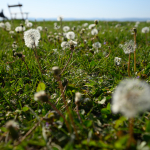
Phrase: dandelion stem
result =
(129, 65)
(146, 38)
(26, 66)
(77, 107)
(64, 100)
(72, 49)
(67, 124)
(131, 137)
(35, 53)
(135, 49)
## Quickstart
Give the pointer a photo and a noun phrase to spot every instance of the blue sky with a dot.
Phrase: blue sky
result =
(81, 8)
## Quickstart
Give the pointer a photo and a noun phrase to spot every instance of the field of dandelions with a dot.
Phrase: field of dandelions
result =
(78, 85)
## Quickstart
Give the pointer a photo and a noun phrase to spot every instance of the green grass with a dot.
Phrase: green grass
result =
(93, 75)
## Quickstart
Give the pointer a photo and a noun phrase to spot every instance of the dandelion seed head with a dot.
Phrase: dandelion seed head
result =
(2, 25)
(131, 97)
(66, 28)
(59, 18)
(70, 35)
(31, 37)
(96, 45)
(94, 31)
(40, 96)
(91, 26)
(29, 24)
(145, 30)
(77, 97)
(128, 47)
(39, 28)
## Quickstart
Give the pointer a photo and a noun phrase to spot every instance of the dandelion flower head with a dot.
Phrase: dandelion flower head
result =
(66, 28)
(70, 35)
(31, 38)
(96, 45)
(94, 32)
(131, 97)
(39, 28)
(128, 47)
(29, 24)
(91, 26)
(145, 30)
(60, 18)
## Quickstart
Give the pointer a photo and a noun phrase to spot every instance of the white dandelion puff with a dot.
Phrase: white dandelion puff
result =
(38, 95)
(39, 28)
(66, 28)
(2, 25)
(145, 30)
(29, 25)
(117, 61)
(94, 31)
(60, 18)
(31, 38)
(131, 97)
(128, 47)
(20, 29)
(70, 35)
(77, 97)
(91, 26)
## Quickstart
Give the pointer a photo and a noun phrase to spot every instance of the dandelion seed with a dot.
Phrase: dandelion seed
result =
(31, 38)
(131, 97)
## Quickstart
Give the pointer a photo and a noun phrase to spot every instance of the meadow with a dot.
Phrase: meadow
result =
(56, 93)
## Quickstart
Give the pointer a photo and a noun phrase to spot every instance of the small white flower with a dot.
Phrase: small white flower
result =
(94, 32)
(66, 28)
(31, 38)
(145, 30)
(131, 97)
(91, 26)
(70, 35)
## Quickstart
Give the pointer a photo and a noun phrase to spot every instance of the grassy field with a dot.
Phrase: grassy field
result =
(55, 121)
